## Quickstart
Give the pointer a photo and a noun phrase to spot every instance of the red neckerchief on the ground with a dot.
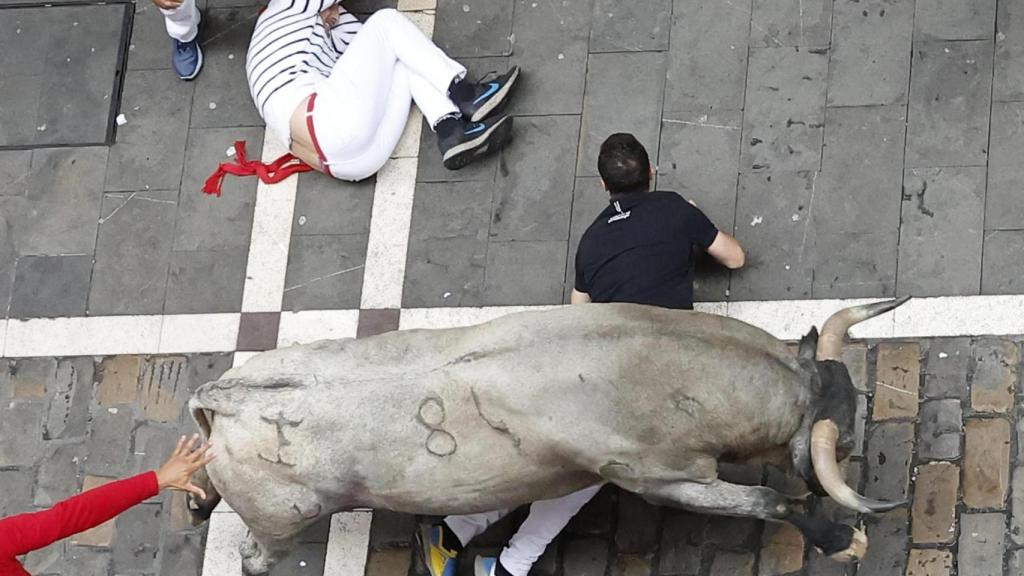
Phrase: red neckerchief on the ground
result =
(268, 173)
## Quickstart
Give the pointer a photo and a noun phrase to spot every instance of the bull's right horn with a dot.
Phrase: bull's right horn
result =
(823, 455)
(830, 343)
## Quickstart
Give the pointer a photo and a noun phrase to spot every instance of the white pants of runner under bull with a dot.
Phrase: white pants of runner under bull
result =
(183, 21)
(362, 108)
(545, 521)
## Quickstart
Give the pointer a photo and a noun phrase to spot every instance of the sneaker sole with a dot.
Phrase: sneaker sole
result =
(494, 138)
(497, 100)
(199, 66)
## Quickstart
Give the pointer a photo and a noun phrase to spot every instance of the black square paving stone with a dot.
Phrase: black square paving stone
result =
(524, 273)
(206, 282)
(1008, 83)
(791, 23)
(133, 252)
(533, 199)
(258, 331)
(58, 73)
(630, 25)
(941, 233)
(51, 286)
(1003, 262)
(474, 28)
(624, 94)
(707, 56)
(950, 103)
(870, 55)
(1004, 203)
(855, 265)
(448, 244)
(551, 48)
(324, 205)
(150, 150)
(222, 92)
(589, 199)
(14, 170)
(773, 223)
(954, 20)
(325, 272)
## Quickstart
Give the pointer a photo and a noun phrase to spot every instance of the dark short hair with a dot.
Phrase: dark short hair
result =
(624, 164)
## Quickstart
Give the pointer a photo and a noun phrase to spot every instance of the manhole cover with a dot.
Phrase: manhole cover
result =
(59, 73)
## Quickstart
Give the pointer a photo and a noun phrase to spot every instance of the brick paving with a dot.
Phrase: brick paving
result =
(67, 424)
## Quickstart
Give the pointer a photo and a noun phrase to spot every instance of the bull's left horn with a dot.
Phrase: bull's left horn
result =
(826, 468)
(833, 332)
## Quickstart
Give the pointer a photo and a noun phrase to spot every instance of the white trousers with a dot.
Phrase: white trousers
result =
(182, 22)
(545, 520)
(362, 108)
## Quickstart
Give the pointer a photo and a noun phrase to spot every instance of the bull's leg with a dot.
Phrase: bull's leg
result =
(841, 542)
(260, 552)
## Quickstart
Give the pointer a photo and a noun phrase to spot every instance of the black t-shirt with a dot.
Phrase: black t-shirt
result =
(639, 250)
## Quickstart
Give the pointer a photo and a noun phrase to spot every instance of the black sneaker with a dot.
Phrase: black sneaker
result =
(473, 140)
(489, 95)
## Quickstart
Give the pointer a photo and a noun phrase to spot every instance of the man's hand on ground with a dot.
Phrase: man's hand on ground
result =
(188, 456)
(167, 4)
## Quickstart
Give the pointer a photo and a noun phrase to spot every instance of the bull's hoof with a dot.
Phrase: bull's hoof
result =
(855, 550)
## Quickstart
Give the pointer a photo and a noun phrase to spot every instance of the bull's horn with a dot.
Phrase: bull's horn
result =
(830, 343)
(823, 455)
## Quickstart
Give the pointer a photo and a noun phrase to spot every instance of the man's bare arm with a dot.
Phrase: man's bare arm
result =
(578, 297)
(727, 250)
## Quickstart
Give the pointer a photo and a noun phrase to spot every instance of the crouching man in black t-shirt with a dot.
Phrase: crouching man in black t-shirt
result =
(639, 248)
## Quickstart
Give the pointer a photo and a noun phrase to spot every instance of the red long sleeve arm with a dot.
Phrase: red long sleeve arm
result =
(24, 533)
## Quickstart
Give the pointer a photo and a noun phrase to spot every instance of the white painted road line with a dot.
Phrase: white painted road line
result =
(195, 333)
(312, 325)
(348, 544)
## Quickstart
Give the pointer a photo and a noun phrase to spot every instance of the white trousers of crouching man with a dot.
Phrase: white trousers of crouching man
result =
(546, 519)
(183, 21)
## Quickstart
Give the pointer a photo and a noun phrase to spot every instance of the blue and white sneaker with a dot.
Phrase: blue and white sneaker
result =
(473, 140)
(489, 95)
(187, 58)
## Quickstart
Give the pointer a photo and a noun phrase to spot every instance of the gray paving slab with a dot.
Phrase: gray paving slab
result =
(773, 225)
(1002, 263)
(630, 25)
(791, 23)
(588, 200)
(14, 170)
(51, 286)
(870, 59)
(8, 263)
(150, 46)
(79, 78)
(325, 272)
(474, 28)
(222, 92)
(209, 222)
(785, 109)
(624, 94)
(1004, 204)
(941, 233)
(448, 244)
(133, 253)
(953, 20)
(202, 282)
(950, 103)
(524, 273)
(22, 66)
(62, 206)
(860, 185)
(1008, 83)
(708, 56)
(324, 205)
(430, 168)
(551, 47)
(855, 265)
(533, 200)
(699, 159)
(149, 152)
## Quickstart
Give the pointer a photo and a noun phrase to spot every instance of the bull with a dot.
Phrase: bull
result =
(533, 406)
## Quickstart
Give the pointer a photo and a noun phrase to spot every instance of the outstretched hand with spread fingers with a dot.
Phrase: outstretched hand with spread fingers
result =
(189, 455)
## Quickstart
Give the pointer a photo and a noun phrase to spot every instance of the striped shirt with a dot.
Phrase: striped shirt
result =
(290, 54)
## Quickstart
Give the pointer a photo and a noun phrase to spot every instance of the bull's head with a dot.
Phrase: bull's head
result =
(832, 434)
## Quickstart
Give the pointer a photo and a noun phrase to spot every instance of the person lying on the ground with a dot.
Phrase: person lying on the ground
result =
(339, 91)
(24, 533)
(638, 250)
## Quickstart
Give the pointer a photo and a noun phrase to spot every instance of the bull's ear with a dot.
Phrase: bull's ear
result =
(809, 345)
